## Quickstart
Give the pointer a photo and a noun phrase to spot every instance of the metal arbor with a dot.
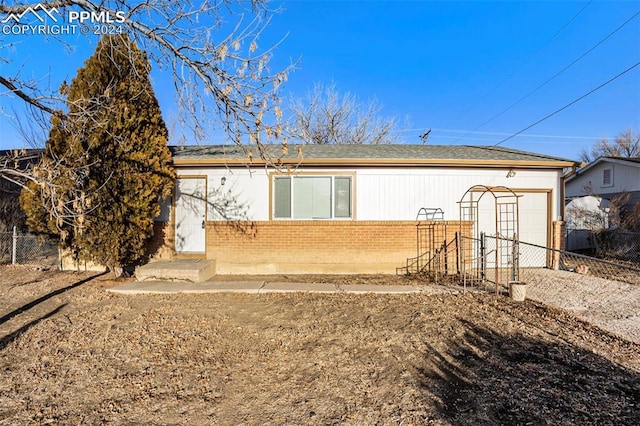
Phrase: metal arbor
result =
(493, 259)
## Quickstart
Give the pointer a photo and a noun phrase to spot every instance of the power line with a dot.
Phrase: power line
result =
(554, 76)
(532, 135)
(491, 141)
(570, 103)
(526, 61)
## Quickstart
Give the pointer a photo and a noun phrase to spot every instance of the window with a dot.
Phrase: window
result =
(312, 197)
(607, 177)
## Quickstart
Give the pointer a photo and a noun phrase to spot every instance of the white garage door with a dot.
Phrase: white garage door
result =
(533, 223)
(534, 218)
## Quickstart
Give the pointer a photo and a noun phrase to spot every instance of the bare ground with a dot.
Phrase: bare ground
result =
(72, 353)
(612, 305)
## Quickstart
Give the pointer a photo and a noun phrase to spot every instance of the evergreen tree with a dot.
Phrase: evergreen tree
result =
(107, 163)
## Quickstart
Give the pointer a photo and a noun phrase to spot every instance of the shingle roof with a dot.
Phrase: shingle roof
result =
(344, 153)
(630, 160)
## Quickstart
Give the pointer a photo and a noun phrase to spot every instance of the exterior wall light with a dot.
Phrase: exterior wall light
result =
(222, 180)
(511, 173)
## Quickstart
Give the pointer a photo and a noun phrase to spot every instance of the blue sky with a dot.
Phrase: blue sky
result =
(452, 67)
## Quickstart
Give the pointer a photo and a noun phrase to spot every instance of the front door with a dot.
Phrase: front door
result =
(191, 210)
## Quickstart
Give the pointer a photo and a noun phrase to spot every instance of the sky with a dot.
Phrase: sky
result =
(475, 73)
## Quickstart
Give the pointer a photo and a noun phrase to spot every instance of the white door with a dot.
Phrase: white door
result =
(191, 210)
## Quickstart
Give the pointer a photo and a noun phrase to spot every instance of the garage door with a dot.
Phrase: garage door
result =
(533, 223)
(534, 218)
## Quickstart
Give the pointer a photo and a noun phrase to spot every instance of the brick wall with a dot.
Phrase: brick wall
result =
(558, 242)
(310, 246)
(161, 246)
(559, 235)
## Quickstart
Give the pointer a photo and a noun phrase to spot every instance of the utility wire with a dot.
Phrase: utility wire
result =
(569, 104)
(552, 77)
(526, 61)
(439, 129)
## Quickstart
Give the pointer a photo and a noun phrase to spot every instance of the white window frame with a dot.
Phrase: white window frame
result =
(332, 195)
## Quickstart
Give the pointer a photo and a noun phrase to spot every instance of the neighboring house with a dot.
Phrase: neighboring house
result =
(342, 208)
(607, 177)
(589, 193)
(584, 217)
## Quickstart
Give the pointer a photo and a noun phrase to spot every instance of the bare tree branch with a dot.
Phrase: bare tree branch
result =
(217, 66)
(29, 99)
(326, 116)
(625, 145)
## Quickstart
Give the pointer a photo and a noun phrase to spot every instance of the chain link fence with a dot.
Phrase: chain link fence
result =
(536, 256)
(618, 244)
(494, 262)
(612, 244)
(21, 248)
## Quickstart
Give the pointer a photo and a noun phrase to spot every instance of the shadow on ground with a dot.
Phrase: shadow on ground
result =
(5, 340)
(489, 377)
(46, 297)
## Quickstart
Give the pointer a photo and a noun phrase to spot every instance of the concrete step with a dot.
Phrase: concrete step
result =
(190, 270)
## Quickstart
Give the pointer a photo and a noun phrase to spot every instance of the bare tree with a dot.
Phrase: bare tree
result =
(210, 48)
(626, 145)
(325, 116)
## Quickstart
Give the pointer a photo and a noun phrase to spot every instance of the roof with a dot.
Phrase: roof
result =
(624, 159)
(365, 155)
(632, 162)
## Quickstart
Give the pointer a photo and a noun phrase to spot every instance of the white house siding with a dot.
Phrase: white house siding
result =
(250, 188)
(396, 194)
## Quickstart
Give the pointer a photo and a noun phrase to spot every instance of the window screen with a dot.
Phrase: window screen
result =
(282, 197)
(342, 197)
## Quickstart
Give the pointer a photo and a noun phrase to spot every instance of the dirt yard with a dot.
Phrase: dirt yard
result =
(72, 353)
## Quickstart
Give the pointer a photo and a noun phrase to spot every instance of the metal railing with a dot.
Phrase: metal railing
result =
(439, 263)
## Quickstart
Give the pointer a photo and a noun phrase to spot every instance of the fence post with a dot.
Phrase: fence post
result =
(446, 260)
(14, 247)
(515, 258)
(483, 258)
(463, 263)
(457, 255)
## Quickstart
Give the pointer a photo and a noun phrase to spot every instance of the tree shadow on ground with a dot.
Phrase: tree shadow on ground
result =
(492, 377)
(6, 340)
(46, 297)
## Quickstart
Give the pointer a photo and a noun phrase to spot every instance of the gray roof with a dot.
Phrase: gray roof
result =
(362, 152)
(630, 160)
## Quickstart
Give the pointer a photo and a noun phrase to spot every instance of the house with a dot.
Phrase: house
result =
(607, 177)
(343, 208)
(589, 193)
